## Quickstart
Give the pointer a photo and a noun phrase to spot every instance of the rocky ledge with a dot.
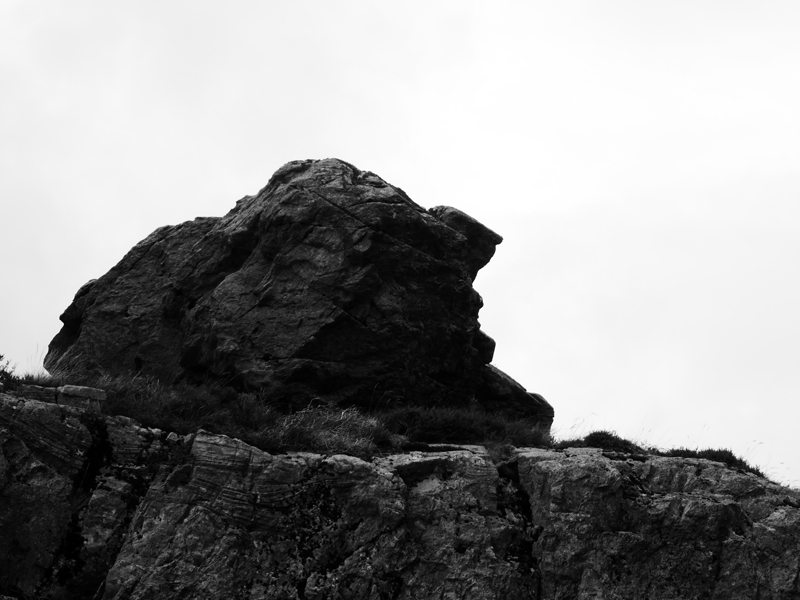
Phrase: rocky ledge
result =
(95, 506)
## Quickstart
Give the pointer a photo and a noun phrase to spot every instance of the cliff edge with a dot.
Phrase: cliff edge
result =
(95, 506)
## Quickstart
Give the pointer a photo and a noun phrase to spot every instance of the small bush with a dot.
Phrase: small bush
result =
(607, 440)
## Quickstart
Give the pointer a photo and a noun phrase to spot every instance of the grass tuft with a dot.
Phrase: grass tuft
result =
(331, 430)
(11, 380)
(609, 440)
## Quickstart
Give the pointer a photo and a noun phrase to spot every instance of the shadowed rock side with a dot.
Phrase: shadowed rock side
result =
(70, 482)
(329, 283)
(98, 507)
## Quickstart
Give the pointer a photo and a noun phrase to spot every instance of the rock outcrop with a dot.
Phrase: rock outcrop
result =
(95, 506)
(329, 283)
(70, 482)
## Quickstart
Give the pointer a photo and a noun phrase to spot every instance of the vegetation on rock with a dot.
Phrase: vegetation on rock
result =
(328, 429)
(321, 427)
(609, 440)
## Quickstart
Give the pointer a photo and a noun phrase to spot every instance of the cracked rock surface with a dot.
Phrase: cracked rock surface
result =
(659, 528)
(95, 506)
(329, 283)
(70, 481)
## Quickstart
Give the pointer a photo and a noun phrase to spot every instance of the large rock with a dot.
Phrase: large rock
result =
(329, 283)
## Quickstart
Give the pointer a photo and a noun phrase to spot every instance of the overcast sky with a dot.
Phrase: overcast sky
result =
(641, 160)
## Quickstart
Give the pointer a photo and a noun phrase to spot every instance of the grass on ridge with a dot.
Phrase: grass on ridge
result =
(457, 425)
(609, 440)
(185, 408)
(11, 380)
(327, 429)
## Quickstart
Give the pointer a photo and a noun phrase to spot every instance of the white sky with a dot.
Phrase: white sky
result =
(641, 160)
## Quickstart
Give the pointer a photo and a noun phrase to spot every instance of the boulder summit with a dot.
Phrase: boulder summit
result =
(329, 284)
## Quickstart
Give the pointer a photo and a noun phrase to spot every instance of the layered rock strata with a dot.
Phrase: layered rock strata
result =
(94, 506)
(328, 284)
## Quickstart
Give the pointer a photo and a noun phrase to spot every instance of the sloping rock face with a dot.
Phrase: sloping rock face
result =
(95, 506)
(329, 283)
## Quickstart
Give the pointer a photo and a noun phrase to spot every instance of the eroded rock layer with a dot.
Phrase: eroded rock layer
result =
(329, 283)
(94, 506)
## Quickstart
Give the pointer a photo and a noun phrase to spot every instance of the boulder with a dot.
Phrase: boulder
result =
(328, 284)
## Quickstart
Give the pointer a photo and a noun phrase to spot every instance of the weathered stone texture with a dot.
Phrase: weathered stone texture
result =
(243, 523)
(660, 528)
(329, 283)
(98, 507)
(81, 397)
(70, 481)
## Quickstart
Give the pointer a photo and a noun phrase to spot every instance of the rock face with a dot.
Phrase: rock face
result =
(95, 506)
(70, 482)
(329, 283)
(659, 528)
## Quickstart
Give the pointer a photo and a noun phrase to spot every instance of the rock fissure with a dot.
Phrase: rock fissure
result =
(341, 309)
(404, 245)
